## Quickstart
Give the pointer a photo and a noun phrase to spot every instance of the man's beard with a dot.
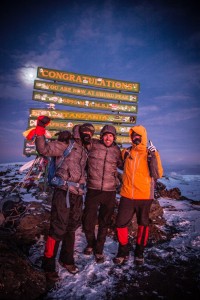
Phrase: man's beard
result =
(136, 141)
(86, 138)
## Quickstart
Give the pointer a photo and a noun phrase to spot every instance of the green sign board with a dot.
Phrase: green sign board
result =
(61, 125)
(44, 97)
(104, 83)
(85, 116)
(80, 91)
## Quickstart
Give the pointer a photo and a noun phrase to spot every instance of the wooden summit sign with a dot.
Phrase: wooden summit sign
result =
(79, 91)
(82, 103)
(84, 95)
(104, 83)
(83, 116)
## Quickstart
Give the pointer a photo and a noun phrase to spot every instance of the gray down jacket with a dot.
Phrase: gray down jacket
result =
(102, 166)
(73, 166)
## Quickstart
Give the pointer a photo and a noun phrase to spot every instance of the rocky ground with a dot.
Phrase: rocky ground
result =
(20, 279)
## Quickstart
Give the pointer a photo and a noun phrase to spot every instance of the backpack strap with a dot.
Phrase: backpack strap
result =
(127, 152)
(66, 152)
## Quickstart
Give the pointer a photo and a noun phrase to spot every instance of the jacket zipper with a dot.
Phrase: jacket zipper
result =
(104, 169)
(134, 169)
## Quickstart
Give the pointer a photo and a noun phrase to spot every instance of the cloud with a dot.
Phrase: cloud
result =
(172, 117)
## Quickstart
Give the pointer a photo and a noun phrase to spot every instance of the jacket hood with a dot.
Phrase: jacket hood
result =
(75, 131)
(141, 130)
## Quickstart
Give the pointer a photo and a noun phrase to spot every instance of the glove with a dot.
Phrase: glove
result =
(43, 121)
(64, 136)
(151, 147)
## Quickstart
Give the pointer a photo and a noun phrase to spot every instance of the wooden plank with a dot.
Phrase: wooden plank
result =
(60, 125)
(80, 91)
(84, 116)
(50, 98)
(83, 79)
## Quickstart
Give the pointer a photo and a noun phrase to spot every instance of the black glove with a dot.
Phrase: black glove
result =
(43, 121)
(64, 136)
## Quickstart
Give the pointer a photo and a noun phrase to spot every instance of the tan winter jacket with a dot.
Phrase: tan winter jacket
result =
(73, 166)
(102, 166)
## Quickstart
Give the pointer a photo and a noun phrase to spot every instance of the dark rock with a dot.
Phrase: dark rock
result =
(18, 279)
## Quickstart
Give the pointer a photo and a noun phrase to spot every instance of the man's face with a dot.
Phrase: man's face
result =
(108, 139)
(136, 138)
(86, 137)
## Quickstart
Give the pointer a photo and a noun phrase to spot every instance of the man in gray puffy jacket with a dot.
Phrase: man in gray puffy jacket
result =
(102, 180)
(67, 202)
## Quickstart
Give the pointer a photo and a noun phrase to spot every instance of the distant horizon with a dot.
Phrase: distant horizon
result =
(182, 169)
(179, 169)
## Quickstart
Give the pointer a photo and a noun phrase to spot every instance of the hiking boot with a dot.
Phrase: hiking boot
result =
(51, 279)
(139, 255)
(88, 251)
(119, 260)
(99, 258)
(73, 269)
(52, 276)
(139, 260)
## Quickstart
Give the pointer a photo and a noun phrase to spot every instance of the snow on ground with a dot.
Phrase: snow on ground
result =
(189, 185)
(97, 281)
(94, 281)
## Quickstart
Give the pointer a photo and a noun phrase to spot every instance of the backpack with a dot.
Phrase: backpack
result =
(52, 164)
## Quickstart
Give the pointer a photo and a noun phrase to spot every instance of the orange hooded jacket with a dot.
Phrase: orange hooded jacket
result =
(137, 184)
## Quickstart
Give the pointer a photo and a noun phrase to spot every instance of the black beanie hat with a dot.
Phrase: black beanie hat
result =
(87, 127)
(63, 136)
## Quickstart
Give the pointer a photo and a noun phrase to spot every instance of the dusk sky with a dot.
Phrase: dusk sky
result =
(155, 43)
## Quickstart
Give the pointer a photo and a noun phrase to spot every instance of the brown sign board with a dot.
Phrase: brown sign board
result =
(61, 125)
(44, 97)
(82, 79)
(80, 91)
(84, 116)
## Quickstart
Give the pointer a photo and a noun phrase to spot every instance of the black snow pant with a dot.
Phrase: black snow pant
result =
(99, 208)
(127, 209)
(63, 224)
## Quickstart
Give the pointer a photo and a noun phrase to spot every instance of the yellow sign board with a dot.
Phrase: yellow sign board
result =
(44, 97)
(85, 116)
(80, 91)
(82, 79)
(61, 125)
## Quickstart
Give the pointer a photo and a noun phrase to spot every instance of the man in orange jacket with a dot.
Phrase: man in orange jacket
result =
(137, 192)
